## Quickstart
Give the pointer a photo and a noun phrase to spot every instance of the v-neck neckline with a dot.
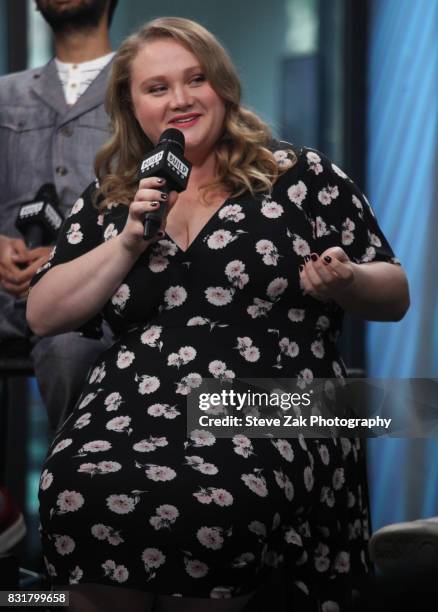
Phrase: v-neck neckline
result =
(209, 221)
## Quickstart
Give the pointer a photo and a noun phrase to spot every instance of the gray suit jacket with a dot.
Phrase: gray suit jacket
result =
(42, 140)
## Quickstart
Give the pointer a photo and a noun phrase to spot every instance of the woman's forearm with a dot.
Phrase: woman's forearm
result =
(73, 292)
(379, 292)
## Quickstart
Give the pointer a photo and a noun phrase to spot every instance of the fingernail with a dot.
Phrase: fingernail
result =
(314, 257)
(154, 204)
(327, 258)
(160, 234)
(301, 268)
(307, 258)
(160, 180)
(164, 196)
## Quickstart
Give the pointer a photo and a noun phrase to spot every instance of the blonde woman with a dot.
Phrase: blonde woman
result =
(254, 265)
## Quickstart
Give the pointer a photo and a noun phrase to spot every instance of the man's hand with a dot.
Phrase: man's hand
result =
(16, 278)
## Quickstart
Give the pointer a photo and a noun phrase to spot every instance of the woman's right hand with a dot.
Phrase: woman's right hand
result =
(145, 200)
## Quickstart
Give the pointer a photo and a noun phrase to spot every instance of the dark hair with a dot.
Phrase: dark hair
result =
(112, 8)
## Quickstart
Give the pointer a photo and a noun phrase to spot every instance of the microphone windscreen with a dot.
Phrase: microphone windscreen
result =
(175, 136)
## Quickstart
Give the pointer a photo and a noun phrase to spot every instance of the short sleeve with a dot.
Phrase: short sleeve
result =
(339, 213)
(81, 232)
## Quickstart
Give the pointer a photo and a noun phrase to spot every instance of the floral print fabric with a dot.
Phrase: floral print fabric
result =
(127, 497)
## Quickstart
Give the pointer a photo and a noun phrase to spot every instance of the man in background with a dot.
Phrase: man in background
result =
(52, 122)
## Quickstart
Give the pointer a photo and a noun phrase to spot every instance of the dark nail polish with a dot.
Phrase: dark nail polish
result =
(327, 258)
(160, 234)
(301, 268)
(160, 180)
(154, 204)
(314, 257)
(307, 258)
(164, 196)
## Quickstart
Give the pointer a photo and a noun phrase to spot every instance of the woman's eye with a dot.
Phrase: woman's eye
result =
(157, 89)
(198, 78)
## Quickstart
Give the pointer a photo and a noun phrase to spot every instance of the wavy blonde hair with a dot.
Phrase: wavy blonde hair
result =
(244, 161)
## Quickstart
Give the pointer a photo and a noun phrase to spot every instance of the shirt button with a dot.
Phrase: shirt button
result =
(61, 170)
(67, 131)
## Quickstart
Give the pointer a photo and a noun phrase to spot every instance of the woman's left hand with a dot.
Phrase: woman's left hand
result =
(325, 276)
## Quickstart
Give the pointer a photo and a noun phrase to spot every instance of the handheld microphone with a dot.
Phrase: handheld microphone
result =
(166, 161)
(40, 219)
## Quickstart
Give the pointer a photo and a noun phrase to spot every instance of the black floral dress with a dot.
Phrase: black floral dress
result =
(127, 496)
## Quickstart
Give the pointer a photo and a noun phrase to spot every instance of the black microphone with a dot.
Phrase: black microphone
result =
(166, 161)
(40, 219)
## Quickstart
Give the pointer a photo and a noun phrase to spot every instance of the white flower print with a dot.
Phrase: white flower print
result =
(148, 384)
(110, 232)
(77, 206)
(95, 446)
(308, 478)
(124, 358)
(297, 193)
(119, 424)
(76, 575)
(197, 321)
(271, 210)
(321, 227)
(74, 234)
(98, 374)
(330, 606)
(324, 454)
(231, 212)
(337, 369)
(358, 204)
(374, 240)
(113, 401)
(314, 161)
(121, 296)
(69, 501)
(300, 246)
(347, 237)
(304, 378)
(276, 287)
(83, 421)
(201, 437)
(258, 528)
(317, 348)
(269, 251)
(187, 383)
(158, 263)
(328, 194)
(235, 272)
(221, 497)
(151, 335)
(342, 562)
(292, 537)
(157, 410)
(195, 569)
(100, 531)
(220, 239)
(257, 484)
(64, 544)
(282, 159)
(217, 367)
(146, 446)
(296, 314)
(338, 479)
(184, 355)
(100, 219)
(284, 448)
(370, 255)
(322, 564)
(210, 537)
(61, 445)
(88, 398)
(175, 296)
(120, 574)
(323, 323)
(120, 504)
(153, 557)
(160, 473)
(46, 480)
(260, 308)
(218, 296)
